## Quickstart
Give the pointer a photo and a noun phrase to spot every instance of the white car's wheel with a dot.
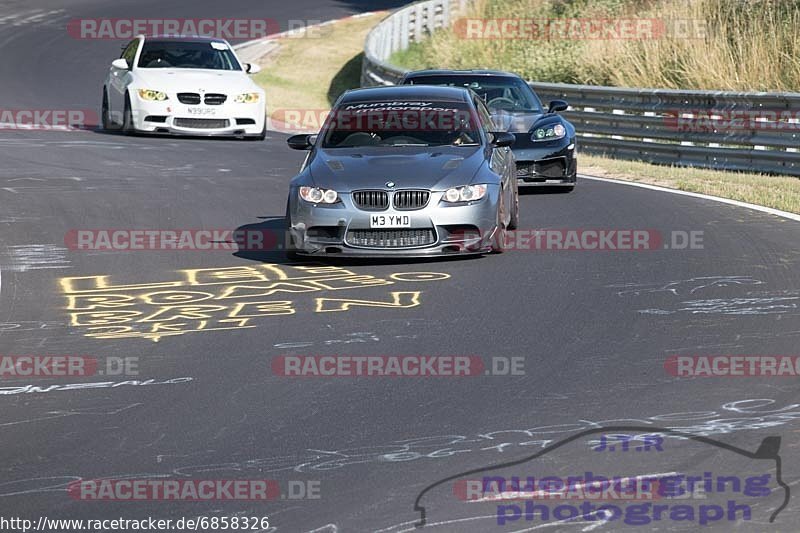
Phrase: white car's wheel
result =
(105, 115)
(127, 117)
(259, 136)
(263, 134)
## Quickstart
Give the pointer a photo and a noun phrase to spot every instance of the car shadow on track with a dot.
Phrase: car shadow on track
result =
(268, 242)
(533, 191)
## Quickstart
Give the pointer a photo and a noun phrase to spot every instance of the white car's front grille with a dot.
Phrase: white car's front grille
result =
(202, 123)
(215, 99)
(189, 98)
(208, 99)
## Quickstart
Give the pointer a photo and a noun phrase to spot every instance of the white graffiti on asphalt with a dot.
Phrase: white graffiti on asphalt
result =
(749, 414)
(29, 389)
(689, 286)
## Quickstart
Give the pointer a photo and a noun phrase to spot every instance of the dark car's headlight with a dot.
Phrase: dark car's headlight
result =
(316, 195)
(550, 132)
(466, 193)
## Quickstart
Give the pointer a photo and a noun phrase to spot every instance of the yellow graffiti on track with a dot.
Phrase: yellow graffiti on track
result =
(217, 299)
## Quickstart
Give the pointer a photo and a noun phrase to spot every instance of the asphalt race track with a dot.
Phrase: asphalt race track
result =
(593, 328)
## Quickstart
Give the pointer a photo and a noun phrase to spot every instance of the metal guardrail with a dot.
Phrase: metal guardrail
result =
(396, 32)
(754, 132)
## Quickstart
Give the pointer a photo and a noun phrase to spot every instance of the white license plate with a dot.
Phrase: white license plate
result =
(390, 221)
(201, 111)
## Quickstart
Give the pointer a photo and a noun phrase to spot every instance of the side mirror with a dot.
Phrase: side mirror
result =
(252, 68)
(503, 138)
(301, 142)
(557, 105)
(120, 64)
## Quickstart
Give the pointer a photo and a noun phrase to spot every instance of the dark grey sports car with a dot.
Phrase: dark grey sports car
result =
(545, 146)
(411, 171)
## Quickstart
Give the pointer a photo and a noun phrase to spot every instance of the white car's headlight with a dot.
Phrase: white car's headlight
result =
(549, 133)
(467, 193)
(318, 196)
(247, 98)
(151, 95)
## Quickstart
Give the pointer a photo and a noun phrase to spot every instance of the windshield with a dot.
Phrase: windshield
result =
(182, 54)
(499, 93)
(401, 124)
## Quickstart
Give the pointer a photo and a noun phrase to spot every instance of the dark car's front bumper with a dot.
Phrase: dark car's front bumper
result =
(545, 163)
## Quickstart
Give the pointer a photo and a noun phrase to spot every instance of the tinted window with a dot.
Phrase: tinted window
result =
(182, 54)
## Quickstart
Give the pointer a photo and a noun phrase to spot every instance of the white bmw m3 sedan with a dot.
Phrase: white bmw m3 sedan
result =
(183, 86)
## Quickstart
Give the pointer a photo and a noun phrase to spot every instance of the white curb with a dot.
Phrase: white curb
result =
(769, 210)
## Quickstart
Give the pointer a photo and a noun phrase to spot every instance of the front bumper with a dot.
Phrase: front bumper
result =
(344, 230)
(551, 164)
(176, 118)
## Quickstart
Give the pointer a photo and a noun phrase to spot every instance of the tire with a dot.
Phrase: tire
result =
(514, 222)
(288, 245)
(574, 177)
(257, 137)
(263, 135)
(127, 117)
(105, 116)
(499, 239)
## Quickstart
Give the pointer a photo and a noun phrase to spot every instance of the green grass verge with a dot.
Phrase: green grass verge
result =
(309, 73)
(778, 192)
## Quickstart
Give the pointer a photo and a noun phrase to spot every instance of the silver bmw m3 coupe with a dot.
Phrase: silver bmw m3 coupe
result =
(412, 171)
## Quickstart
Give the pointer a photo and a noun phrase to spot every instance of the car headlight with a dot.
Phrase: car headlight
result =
(149, 94)
(467, 193)
(549, 133)
(247, 98)
(318, 196)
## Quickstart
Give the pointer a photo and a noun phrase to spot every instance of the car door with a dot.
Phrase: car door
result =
(119, 80)
(501, 159)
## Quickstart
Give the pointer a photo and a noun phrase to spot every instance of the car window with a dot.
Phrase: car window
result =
(129, 54)
(188, 54)
(484, 116)
(401, 123)
(500, 93)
